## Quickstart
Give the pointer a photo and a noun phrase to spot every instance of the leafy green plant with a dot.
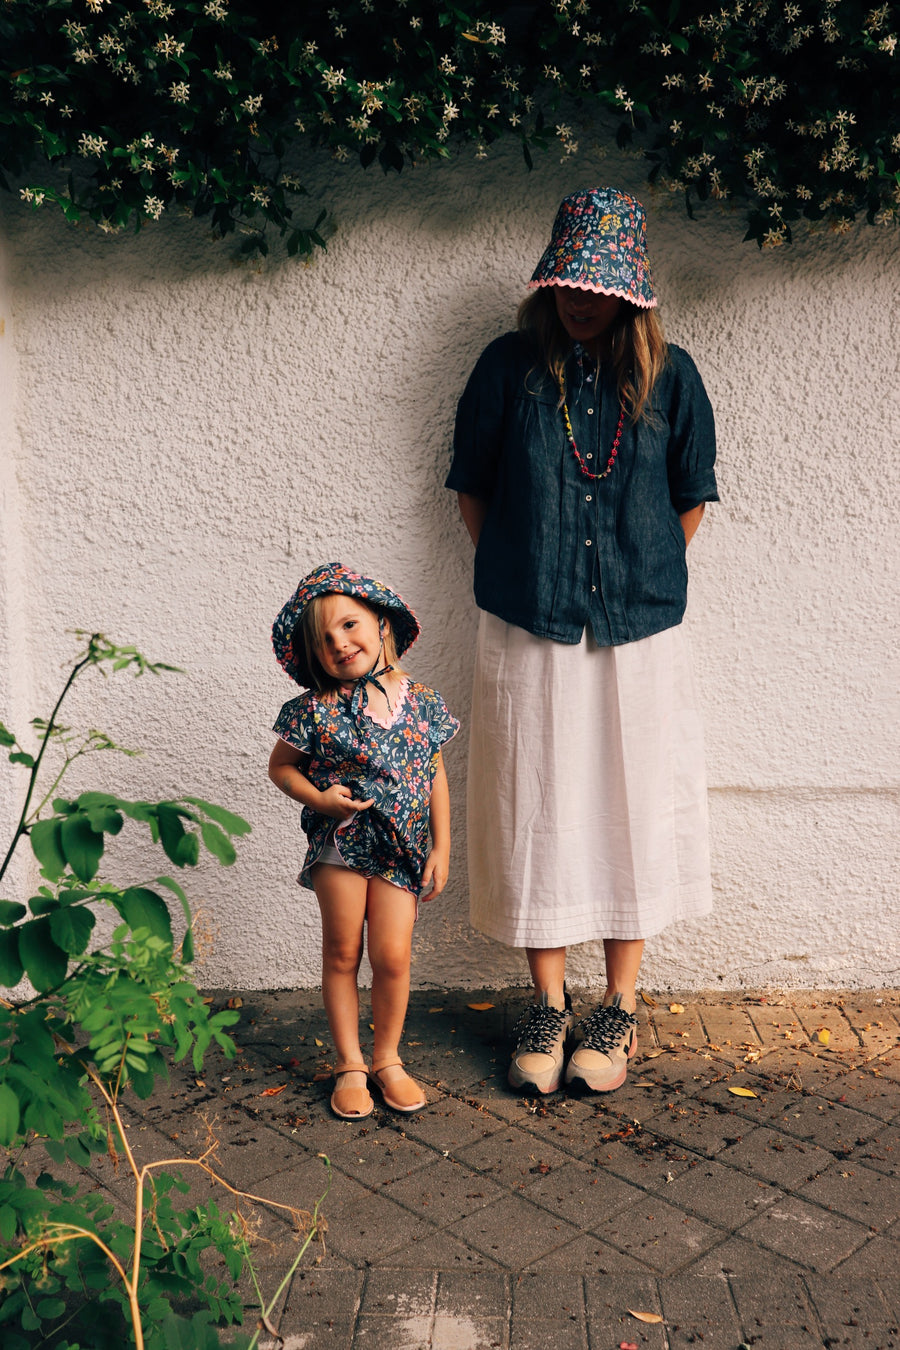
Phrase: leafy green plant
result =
(102, 1016)
(132, 109)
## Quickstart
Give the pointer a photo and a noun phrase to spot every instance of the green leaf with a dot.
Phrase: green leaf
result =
(218, 843)
(142, 908)
(71, 927)
(82, 846)
(21, 757)
(104, 819)
(11, 970)
(9, 1115)
(173, 836)
(11, 912)
(6, 736)
(227, 819)
(46, 845)
(45, 963)
(187, 942)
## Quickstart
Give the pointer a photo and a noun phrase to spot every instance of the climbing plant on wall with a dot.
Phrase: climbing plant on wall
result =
(118, 112)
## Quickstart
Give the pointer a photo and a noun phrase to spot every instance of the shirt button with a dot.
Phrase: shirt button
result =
(588, 542)
(590, 456)
(593, 588)
(590, 410)
(589, 498)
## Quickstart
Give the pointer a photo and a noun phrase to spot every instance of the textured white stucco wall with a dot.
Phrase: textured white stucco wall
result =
(188, 438)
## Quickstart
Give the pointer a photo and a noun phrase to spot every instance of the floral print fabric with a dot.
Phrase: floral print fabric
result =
(393, 764)
(599, 243)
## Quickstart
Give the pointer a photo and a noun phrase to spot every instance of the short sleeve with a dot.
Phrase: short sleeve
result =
(442, 725)
(691, 454)
(478, 433)
(294, 724)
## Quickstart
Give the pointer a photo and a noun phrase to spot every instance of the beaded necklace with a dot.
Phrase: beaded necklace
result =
(614, 448)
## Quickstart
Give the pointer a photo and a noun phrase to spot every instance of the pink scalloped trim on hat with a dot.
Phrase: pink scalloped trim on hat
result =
(598, 290)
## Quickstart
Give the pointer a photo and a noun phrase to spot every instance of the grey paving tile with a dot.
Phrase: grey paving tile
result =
(700, 1311)
(842, 1300)
(379, 1156)
(610, 1305)
(369, 1230)
(392, 1333)
(399, 1293)
(736, 1258)
(777, 1299)
(319, 1296)
(442, 1251)
(581, 1194)
(533, 1295)
(646, 1160)
(859, 1192)
(881, 1151)
(539, 1333)
(805, 1233)
(778, 1158)
(876, 1094)
(480, 1293)
(444, 1191)
(450, 1124)
(512, 1158)
(465, 1332)
(698, 1126)
(720, 1194)
(878, 1259)
(514, 1232)
(587, 1255)
(660, 1236)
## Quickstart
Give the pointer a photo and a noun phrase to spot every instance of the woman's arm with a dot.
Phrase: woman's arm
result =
(437, 864)
(473, 511)
(286, 770)
(690, 520)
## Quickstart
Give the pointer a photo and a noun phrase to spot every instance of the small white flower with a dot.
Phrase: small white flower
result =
(91, 145)
(225, 72)
(180, 92)
(260, 196)
(216, 9)
(333, 79)
(154, 206)
(168, 46)
(252, 103)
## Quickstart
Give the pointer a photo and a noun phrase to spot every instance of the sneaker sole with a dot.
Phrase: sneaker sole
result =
(519, 1082)
(577, 1079)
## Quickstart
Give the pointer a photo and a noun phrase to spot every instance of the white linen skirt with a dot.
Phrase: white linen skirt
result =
(587, 802)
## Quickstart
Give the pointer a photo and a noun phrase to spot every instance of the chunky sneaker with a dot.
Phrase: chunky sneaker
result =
(540, 1035)
(606, 1040)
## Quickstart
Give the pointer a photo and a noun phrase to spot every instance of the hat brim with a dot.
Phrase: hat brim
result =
(639, 300)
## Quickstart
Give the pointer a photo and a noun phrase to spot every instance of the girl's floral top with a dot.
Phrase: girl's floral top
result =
(393, 763)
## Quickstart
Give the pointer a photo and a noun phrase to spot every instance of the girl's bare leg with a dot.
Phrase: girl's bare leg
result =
(342, 903)
(390, 913)
(623, 961)
(548, 971)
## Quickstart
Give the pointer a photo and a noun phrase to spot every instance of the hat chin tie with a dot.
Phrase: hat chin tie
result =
(373, 677)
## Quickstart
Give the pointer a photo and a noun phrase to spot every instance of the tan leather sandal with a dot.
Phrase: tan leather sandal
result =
(351, 1103)
(401, 1094)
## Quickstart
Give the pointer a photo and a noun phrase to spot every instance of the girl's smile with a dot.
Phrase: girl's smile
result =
(587, 316)
(351, 638)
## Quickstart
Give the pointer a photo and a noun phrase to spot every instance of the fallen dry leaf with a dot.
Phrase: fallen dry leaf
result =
(823, 1036)
(434, 1010)
(645, 1317)
(479, 1007)
(676, 1008)
(645, 998)
(273, 1092)
(318, 1042)
(741, 1092)
(235, 1003)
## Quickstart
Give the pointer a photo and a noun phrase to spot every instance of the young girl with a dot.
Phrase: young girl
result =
(583, 457)
(361, 750)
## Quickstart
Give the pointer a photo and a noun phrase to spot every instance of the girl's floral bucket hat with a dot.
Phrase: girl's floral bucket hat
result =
(599, 243)
(336, 579)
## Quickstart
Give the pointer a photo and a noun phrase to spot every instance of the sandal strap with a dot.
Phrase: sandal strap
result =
(389, 1063)
(354, 1066)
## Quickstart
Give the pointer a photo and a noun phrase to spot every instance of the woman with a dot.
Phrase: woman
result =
(583, 459)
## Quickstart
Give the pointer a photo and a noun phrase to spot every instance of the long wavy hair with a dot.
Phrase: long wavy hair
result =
(639, 349)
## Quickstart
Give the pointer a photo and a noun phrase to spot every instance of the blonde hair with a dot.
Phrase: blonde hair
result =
(308, 639)
(639, 349)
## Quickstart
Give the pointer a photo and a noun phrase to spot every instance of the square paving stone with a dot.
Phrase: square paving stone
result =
(466, 1332)
(450, 1125)
(737, 1258)
(512, 1158)
(694, 1124)
(699, 1312)
(380, 1156)
(723, 1023)
(587, 1255)
(878, 1259)
(582, 1194)
(533, 1295)
(776, 1299)
(369, 1230)
(513, 1232)
(443, 1192)
(391, 1333)
(841, 1300)
(865, 1091)
(779, 1158)
(859, 1192)
(543, 1333)
(399, 1293)
(320, 1296)
(881, 1151)
(806, 1233)
(646, 1160)
(443, 1252)
(607, 1304)
(479, 1293)
(720, 1194)
(658, 1235)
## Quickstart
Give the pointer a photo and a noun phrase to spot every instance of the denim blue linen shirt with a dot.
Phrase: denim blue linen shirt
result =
(559, 552)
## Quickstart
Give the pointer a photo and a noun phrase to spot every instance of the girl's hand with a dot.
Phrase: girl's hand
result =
(434, 877)
(339, 803)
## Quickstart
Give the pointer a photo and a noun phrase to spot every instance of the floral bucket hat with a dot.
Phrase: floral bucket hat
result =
(599, 243)
(336, 579)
